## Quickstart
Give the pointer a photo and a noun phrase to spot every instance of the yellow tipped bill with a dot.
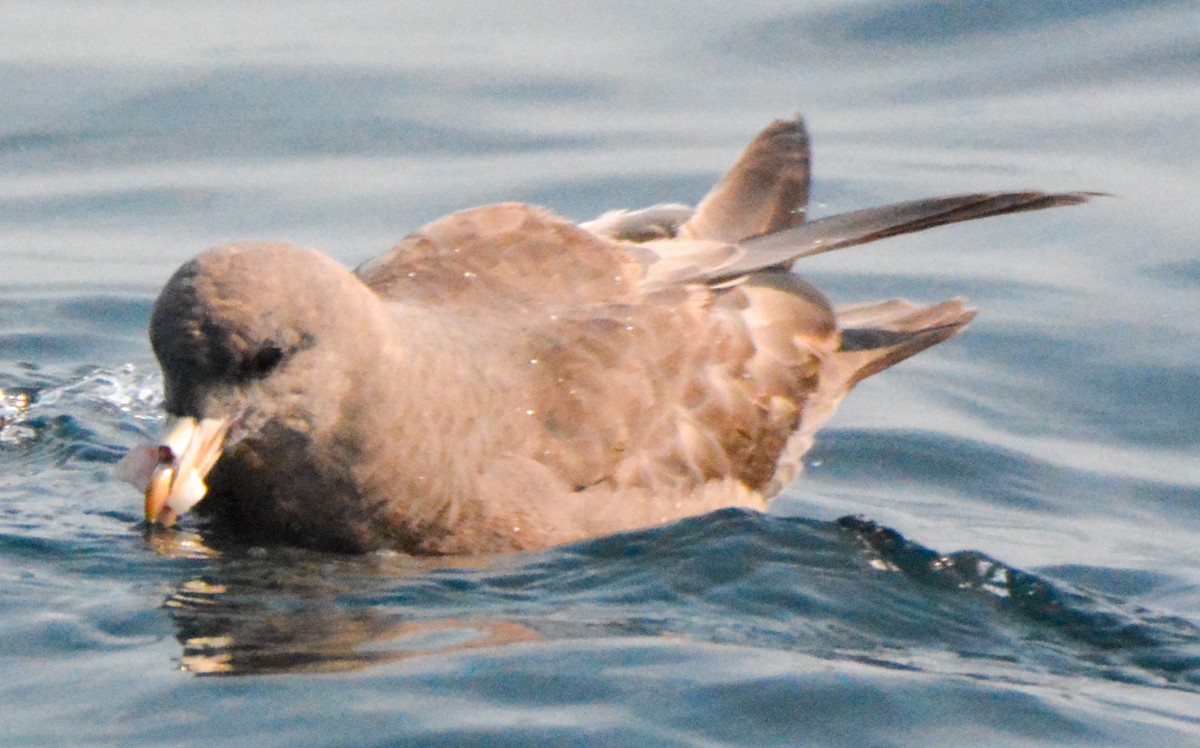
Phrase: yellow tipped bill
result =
(179, 463)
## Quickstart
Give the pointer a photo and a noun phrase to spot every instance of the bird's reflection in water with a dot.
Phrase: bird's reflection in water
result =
(280, 610)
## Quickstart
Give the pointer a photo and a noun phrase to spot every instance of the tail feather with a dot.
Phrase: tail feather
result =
(879, 335)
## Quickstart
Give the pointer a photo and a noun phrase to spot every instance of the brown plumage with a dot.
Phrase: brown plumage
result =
(504, 379)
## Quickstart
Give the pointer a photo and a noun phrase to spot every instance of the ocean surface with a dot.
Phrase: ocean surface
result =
(996, 543)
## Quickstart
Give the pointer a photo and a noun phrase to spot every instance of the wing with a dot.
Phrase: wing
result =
(685, 387)
(781, 249)
(765, 191)
(695, 386)
(661, 366)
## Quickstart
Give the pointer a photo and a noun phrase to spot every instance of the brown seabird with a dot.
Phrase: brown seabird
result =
(505, 379)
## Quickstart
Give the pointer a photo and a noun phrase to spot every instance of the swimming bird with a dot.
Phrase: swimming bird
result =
(505, 379)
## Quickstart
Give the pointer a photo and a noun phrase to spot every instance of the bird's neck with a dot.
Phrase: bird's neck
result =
(426, 445)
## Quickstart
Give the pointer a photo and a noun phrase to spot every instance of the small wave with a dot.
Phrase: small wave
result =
(1115, 635)
(846, 591)
(95, 400)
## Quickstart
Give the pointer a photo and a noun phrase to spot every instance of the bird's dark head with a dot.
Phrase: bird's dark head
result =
(252, 340)
(238, 314)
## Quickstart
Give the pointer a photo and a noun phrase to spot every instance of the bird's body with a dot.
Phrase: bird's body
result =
(505, 379)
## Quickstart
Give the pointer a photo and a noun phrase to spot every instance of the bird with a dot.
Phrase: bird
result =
(505, 379)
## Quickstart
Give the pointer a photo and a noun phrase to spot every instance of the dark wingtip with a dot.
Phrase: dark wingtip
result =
(1034, 200)
(795, 123)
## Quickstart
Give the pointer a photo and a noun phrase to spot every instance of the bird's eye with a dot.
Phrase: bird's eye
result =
(262, 362)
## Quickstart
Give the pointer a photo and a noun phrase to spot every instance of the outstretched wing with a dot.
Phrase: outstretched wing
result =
(765, 191)
(781, 249)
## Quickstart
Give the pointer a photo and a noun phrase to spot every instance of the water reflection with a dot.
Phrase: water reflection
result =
(249, 614)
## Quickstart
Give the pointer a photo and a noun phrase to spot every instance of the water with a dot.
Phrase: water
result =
(1042, 469)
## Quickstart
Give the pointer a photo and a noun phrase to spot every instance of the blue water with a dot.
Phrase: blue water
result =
(1027, 567)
